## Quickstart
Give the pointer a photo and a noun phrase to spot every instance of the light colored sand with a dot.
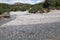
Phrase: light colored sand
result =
(23, 19)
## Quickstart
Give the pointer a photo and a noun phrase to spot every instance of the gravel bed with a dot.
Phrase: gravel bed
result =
(46, 31)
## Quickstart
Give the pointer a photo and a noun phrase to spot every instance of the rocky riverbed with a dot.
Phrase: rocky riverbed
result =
(46, 31)
(25, 26)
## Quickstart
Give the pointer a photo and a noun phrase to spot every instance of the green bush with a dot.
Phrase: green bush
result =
(52, 7)
(58, 7)
(12, 9)
(37, 8)
(41, 10)
(2, 10)
(33, 10)
(18, 8)
(22, 9)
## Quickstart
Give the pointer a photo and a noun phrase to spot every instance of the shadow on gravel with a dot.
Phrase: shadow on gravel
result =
(47, 31)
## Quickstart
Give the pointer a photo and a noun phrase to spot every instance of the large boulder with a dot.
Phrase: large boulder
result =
(5, 15)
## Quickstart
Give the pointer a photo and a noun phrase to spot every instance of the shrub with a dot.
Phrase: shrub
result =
(41, 10)
(33, 10)
(52, 7)
(58, 7)
(22, 9)
(2, 10)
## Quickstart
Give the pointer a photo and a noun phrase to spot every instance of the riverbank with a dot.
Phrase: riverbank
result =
(25, 26)
(25, 18)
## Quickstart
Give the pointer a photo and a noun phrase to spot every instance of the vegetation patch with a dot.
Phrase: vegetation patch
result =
(40, 7)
